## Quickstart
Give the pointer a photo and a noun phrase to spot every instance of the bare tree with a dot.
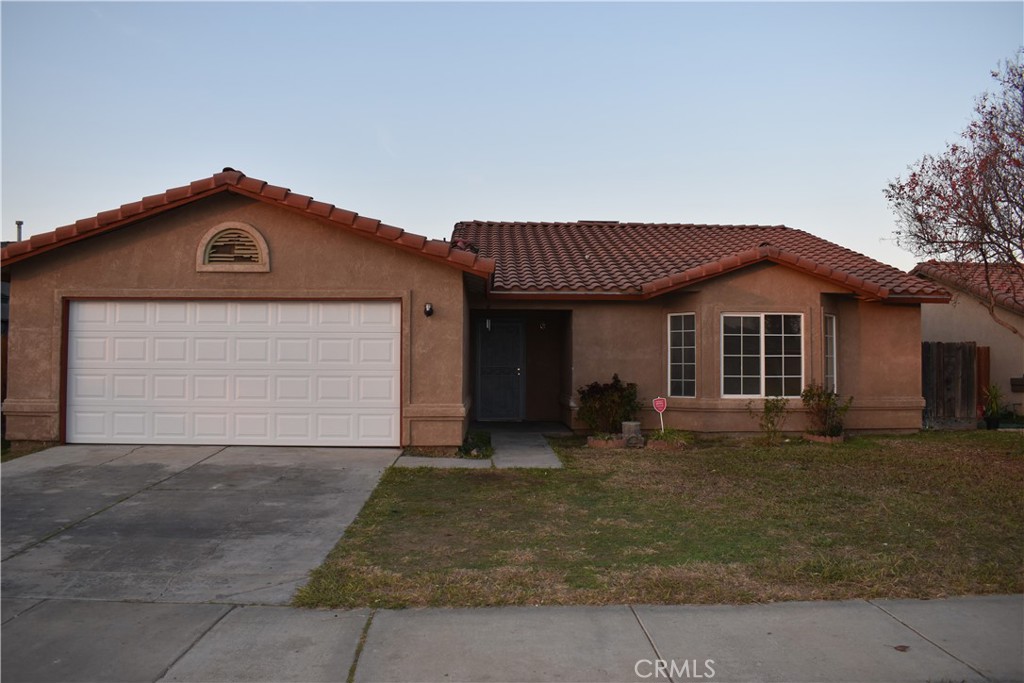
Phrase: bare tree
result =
(965, 207)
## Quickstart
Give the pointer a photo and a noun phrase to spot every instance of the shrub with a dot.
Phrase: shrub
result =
(476, 445)
(771, 417)
(825, 410)
(604, 407)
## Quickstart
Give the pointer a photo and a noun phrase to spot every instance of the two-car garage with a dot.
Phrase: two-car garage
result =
(320, 373)
(230, 311)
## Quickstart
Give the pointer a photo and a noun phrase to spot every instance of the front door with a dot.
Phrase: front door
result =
(499, 380)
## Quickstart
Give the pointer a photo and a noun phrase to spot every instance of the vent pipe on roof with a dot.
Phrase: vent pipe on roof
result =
(18, 224)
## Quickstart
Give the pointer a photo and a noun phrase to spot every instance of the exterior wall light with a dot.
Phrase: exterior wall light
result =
(428, 309)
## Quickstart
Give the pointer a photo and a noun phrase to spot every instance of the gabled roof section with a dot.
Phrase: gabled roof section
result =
(1006, 280)
(236, 182)
(612, 260)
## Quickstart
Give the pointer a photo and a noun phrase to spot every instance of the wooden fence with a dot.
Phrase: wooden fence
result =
(952, 375)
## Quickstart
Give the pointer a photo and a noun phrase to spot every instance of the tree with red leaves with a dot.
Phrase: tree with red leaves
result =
(966, 206)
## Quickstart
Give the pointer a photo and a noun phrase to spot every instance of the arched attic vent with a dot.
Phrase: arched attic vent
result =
(233, 247)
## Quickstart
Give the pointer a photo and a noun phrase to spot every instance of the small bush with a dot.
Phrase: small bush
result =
(476, 445)
(825, 410)
(771, 417)
(604, 407)
(993, 397)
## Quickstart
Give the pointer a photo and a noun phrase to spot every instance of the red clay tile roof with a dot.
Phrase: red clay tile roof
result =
(1007, 280)
(236, 182)
(642, 260)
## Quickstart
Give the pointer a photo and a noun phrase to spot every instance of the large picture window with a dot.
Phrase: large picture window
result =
(682, 355)
(762, 354)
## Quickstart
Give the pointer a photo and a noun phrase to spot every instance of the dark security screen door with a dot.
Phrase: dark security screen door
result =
(499, 380)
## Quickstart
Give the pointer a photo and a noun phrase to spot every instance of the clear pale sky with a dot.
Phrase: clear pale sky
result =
(425, 114)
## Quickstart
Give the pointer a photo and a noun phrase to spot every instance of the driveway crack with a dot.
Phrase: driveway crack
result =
(195, 642)
(649, 638)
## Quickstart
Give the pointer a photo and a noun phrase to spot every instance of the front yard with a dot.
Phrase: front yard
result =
(930, 515)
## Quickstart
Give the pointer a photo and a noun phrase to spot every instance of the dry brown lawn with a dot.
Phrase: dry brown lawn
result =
(723, 521)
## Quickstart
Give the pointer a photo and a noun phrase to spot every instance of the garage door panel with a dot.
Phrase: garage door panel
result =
(211, 313)
(170, 350)
(86, 312)
(87, 349)
(211, 350)
(129, 387)
(171, 313)
(130, 312)
(288, 388)
(86, 423)
(84, 386)
(129, 425)
(377, 426)
(288, 373)
(170, 426)
(168, 387)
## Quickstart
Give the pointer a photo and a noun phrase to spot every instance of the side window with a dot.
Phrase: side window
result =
(682, 355)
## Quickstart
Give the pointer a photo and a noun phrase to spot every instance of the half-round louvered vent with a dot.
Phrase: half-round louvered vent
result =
(233, 246)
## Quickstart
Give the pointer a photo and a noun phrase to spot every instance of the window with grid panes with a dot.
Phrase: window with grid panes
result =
(762, 354)
(682, 355)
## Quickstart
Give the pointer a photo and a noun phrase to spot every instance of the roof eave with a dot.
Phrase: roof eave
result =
(50, 241)
(238, 183)
(863, 289)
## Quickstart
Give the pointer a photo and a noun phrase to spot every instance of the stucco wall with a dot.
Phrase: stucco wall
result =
(878, 348)
(309, 260)
(966, 319)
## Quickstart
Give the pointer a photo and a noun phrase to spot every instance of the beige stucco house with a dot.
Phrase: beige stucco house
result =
(966, 318)
(232, 311)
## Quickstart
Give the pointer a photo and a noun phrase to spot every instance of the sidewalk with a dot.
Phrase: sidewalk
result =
(957, 639)
(515, 446)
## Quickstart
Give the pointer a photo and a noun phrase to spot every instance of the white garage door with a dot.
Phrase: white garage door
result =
(234, 372)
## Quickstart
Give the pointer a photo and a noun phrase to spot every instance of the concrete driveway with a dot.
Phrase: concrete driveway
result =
(240, 525)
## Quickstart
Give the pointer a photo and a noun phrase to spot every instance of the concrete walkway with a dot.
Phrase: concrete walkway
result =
(958, 639)
(519, 445)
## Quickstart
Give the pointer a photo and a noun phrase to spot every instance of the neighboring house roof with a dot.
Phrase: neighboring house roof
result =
(236, 182)
(608, 259)
(1007, 280)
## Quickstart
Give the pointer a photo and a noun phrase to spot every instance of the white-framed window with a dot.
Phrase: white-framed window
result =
(762, 354)
(830, 352)
(682, 355)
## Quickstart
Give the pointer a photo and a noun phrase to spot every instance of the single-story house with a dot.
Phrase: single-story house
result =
(232, 311)
(966, 317)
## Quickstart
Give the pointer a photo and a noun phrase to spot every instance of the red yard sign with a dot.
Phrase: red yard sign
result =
(660, 404)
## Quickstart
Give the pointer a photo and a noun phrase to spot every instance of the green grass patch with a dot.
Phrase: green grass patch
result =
(722, 520)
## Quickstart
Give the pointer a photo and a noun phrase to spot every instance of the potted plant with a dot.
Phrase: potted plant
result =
(825, 412)
(606, 440)
(993, 407)
(604, 407)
